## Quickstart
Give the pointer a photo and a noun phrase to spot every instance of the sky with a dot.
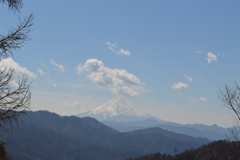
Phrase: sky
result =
(168, 58)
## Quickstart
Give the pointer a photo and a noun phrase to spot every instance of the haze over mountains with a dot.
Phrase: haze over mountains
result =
(123, 116)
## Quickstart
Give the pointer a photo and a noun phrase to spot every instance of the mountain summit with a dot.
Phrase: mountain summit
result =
(117, 110)
(116, 107)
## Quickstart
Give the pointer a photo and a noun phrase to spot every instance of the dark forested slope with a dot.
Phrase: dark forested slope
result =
(218, 150)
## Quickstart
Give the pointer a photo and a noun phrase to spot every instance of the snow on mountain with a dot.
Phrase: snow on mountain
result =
(117, 110)
(116, 107)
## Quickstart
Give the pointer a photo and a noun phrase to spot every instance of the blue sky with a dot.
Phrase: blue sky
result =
(169, 58)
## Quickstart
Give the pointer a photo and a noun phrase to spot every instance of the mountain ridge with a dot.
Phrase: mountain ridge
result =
(213, 132)
(47, 135)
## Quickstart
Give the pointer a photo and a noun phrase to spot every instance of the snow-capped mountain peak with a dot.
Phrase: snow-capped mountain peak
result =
(118, 110)
(116, 107)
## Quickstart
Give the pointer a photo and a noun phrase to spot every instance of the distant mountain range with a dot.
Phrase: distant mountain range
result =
(123, 116)
(44, 135)
(212, 133)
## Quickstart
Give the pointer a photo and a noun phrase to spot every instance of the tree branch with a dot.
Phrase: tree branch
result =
(13, 5)
(15, 37)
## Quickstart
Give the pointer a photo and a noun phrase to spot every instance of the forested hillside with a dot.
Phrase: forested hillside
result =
(218, 150)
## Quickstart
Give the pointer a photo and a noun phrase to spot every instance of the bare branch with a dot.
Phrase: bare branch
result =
(13, 5)
(15, 37)
(230, 98)
(14, 100)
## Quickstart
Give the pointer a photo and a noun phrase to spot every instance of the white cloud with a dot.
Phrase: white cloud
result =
(113, 79)
(188, 78)
(180, 85)
(41, 72)
(140, 89)
(74, 104)
(112, 45)
(42, 64)
(57, 65)
(9, 63)
(197, 51)
(203, 99)
(14, 84)
(211, 57)
(52, 83)
(91, 65)
(125, 91)
(113, 50)
(123, 52)
(221, 54)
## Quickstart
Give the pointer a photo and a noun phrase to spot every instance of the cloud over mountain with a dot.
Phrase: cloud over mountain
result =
(113, 79)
